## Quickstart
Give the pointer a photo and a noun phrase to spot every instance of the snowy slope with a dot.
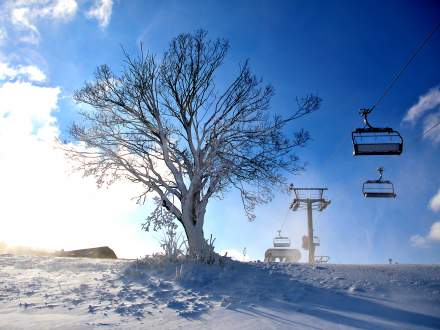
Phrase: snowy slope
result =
(63, 293)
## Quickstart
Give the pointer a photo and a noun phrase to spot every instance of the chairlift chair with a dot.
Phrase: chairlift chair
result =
(280, 241)
(378, 188)
(371, 140)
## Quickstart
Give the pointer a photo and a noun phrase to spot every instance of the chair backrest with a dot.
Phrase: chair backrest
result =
(281, 242)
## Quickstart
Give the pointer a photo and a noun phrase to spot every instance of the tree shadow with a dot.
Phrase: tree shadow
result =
(257, 292)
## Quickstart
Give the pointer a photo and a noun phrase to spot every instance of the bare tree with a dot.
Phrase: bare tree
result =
(164, 125)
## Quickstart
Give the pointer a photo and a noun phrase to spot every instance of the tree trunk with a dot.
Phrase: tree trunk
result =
(192, 220)
(197, 244)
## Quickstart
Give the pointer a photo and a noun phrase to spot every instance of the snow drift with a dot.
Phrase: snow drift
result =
(65, 293)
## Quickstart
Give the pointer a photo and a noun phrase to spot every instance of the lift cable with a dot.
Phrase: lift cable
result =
(285, 218)
(411, 58)
(431, 128)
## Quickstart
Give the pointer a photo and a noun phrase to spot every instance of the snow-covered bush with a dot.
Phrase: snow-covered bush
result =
(173, 245)
(209, 255)
(175, 250)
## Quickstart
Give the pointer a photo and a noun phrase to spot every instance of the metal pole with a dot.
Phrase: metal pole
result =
(310, 227)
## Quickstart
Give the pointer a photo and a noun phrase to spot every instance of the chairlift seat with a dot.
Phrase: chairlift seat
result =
(379, 194)
(376, 141)
(378, 189)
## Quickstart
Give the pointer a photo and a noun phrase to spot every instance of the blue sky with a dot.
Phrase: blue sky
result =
(345, 51)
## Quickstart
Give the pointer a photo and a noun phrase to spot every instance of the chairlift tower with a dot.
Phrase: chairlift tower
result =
(309, 199)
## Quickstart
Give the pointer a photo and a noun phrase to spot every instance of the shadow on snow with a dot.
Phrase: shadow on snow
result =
(259, 290)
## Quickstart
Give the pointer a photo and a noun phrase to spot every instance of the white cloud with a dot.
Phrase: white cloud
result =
(434, 203)
(423, 241)
(21, 20)
(31, 72)
(44, 205)
(19, 115)
(434, 233)
(7, 72)
(22, 17)
(62, 9)
(25, 14)
(101, 11)
(427, 102)
(418, 241)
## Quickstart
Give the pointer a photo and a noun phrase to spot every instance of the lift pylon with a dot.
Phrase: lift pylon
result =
(309, 199)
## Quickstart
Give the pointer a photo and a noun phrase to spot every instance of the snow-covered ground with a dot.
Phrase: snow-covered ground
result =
(63, 293)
